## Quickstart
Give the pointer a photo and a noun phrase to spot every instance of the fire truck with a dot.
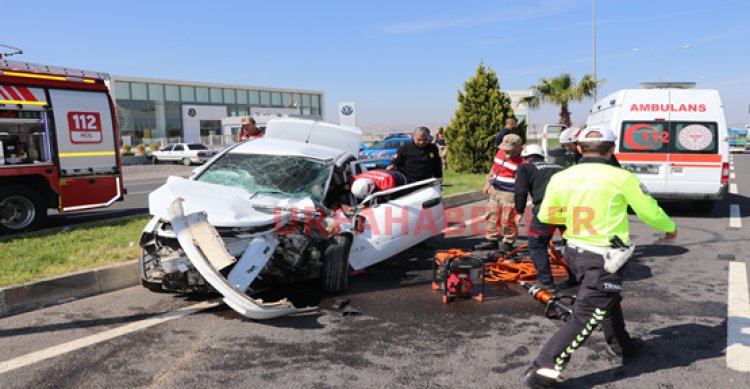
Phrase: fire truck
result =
(59, 143)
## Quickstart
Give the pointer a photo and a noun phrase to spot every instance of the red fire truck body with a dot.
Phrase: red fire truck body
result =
(59, 143)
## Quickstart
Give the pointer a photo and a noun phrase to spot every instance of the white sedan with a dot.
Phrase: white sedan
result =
(278, 210)
(186, 153)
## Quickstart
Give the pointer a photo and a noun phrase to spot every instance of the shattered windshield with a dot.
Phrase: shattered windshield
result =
(294, 176)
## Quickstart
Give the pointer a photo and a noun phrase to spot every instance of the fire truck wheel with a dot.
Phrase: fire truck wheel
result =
(21, 209)
(186, 162)
(334, 275)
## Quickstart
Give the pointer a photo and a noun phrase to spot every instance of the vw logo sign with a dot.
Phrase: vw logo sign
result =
(191, 112)
(347, 110)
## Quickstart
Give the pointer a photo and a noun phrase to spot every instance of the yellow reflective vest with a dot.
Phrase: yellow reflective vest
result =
(591, 200)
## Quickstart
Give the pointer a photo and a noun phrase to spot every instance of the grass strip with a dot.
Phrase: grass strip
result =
(454, 183)
(49, 253)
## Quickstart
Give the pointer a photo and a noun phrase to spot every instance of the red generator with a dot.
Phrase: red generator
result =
(458, 274)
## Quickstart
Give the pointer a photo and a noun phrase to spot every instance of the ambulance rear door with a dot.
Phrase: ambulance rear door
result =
(643, 143)
(697, 130)
(86, 146)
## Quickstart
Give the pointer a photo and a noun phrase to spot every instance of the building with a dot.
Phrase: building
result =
(154, 111)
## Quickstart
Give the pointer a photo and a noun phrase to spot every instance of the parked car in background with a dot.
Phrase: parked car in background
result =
(186, 153)
(386, 148)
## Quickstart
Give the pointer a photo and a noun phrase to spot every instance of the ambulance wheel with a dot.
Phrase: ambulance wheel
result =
(186, 161)
(703, 206)
(21, 209)
(334, 275)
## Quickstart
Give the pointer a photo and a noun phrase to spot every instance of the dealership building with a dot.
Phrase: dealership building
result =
(154, 110)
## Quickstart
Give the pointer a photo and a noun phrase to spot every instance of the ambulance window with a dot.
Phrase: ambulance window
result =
(694, 138)
(644, 137)
(24, 138)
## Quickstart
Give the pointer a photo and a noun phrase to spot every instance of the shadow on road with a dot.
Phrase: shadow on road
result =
(676, 346)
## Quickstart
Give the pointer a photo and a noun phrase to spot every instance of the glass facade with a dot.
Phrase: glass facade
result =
(152, 110)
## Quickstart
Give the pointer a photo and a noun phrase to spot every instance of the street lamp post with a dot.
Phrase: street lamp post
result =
(661, 58)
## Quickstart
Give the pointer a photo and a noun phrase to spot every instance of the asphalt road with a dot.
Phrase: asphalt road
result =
(676, 299)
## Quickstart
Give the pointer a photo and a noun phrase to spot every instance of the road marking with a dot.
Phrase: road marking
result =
(735, 220)
(733, 188)
(731, 167)
(738, 318)
(61, 349)
(731, 176)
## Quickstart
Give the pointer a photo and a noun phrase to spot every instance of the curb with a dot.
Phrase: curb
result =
(57, 290)
(62, 289)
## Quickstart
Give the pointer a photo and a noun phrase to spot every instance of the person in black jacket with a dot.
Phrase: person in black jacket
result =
(510, 128)
(532, 178)
(419, 159)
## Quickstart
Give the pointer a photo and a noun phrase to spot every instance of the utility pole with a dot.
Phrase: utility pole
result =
(593, 43)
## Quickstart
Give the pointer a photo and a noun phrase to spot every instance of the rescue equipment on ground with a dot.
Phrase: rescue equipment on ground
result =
(555, 307)
(509, 267)
(614, 257)
(458, 274)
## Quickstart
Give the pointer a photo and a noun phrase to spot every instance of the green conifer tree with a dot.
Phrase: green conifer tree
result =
(482, 110)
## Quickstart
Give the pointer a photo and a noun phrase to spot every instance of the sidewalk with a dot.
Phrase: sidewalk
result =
(61, 289)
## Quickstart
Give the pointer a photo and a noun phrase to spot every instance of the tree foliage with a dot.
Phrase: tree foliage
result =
(481, 113)
(561, 90)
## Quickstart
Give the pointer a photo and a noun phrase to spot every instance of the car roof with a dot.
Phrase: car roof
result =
(292, 148)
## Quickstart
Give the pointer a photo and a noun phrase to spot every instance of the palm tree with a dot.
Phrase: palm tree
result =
(561, 90)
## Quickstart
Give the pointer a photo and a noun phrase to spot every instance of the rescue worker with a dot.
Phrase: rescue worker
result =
(568, 142)
(500, 188)
(419, 159)
(364, 184)
(532, 178)
(591, 199)
(249, 129)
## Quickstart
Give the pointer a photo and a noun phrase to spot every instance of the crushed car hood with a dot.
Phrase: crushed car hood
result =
(225, 206)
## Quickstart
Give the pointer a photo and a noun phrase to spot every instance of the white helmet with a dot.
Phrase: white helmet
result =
(532, 150)
(569, 135)
(362, 187)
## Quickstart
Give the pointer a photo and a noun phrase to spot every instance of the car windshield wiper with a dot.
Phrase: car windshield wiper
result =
(268, 191)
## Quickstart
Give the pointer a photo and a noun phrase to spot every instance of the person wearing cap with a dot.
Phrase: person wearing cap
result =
(510, 125)
(500, 188)
(249, 130)
(591, 200)
(568, 142)
(532, 178)
(419, 159)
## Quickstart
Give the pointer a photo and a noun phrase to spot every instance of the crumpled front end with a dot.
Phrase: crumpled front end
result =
(186, 253)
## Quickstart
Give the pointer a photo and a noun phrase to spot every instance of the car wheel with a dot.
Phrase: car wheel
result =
(334, 275)
(186, 161)
(703, 206)
(154, 160)
(21, 209)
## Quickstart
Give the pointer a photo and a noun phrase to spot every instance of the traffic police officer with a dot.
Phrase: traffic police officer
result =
(591, 199)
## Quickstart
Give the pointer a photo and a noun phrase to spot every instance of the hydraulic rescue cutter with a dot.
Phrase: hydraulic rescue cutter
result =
(456, 273)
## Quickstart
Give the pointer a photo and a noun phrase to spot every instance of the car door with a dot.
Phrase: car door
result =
(177, 153)
(163, 154)
(396, 223)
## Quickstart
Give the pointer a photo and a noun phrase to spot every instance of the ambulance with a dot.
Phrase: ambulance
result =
(674, 137)
(59, 143)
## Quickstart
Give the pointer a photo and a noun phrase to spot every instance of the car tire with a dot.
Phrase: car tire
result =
(154, 160)
(334, 275)
(186, 162)
(703, 206)
(21, 209)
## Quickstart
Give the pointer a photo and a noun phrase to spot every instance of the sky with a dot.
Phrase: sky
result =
(402, 62)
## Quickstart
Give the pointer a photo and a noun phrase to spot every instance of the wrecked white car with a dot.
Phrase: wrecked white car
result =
(278, 210)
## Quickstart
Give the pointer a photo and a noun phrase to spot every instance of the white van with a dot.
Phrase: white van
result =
(673, 137)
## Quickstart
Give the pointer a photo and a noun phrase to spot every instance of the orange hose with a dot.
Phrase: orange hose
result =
(523, 270)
